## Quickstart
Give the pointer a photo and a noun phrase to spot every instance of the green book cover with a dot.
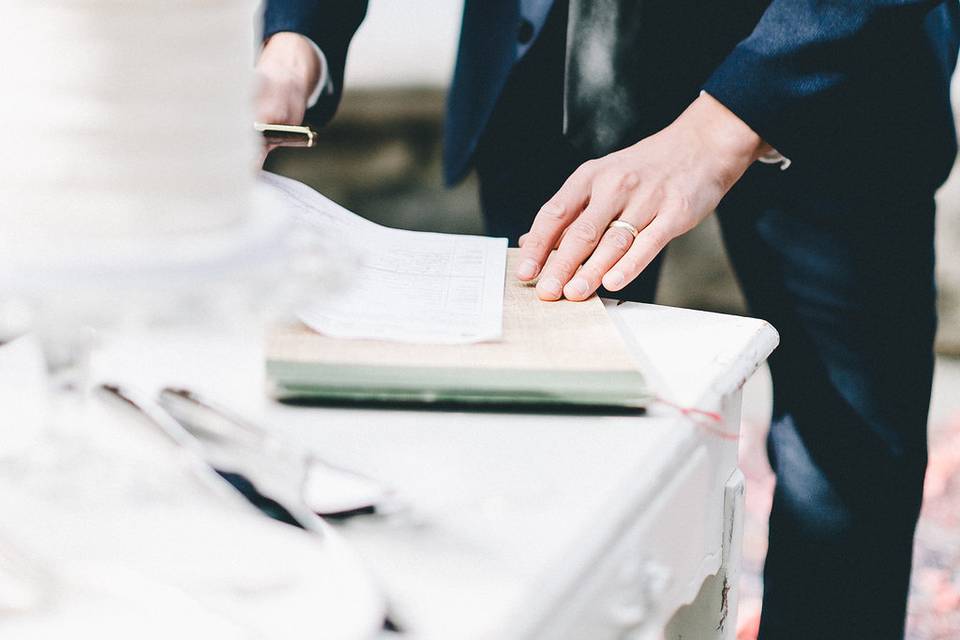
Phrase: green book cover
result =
(334, 382)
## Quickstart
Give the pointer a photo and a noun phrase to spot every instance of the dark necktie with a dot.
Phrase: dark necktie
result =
(601, 92)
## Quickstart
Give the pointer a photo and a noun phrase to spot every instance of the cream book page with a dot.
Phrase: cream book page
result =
(537, 335)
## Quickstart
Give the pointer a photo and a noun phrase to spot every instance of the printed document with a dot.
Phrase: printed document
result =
(405, 286)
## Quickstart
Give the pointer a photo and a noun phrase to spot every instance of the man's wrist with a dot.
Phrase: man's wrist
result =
(726, 131)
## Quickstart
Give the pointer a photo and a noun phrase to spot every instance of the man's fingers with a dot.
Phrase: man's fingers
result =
(558, 212)
(280, 108)
(612, 247)
(651, 241)
(583, 235)
(523, 239)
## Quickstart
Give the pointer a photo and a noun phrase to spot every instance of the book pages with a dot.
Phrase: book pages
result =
(537, 335)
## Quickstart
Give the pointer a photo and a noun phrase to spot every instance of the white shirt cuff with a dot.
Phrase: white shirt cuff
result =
(324, 81)
(775, 157)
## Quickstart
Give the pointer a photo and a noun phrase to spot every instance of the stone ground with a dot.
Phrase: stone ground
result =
(381, 158)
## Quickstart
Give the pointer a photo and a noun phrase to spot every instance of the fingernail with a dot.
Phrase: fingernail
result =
(528, 269)
(550, 286)
(578, 287)
(613, 280)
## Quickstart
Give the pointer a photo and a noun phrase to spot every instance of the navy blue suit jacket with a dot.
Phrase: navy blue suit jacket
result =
(846, 88)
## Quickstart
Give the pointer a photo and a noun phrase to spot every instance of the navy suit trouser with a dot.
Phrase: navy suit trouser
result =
(847, 279)
(849, 283)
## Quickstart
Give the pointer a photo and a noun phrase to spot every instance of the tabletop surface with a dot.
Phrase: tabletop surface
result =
(507, 510)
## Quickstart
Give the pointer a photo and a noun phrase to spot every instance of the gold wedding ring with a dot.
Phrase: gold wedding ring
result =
(623, 224)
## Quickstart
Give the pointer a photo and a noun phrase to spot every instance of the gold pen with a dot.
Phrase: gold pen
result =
(286, 135)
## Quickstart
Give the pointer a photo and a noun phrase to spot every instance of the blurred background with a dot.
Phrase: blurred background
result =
(381, 158)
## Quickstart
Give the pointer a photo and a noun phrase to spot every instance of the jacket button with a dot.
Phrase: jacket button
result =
(525, 32)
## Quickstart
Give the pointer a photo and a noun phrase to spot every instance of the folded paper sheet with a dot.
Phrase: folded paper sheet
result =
(406, 286)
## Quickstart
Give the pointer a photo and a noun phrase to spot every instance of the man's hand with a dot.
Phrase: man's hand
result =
(664, 186)
(288, 71)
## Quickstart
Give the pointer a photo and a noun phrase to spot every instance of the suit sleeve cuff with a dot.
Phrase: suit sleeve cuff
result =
(760, 96)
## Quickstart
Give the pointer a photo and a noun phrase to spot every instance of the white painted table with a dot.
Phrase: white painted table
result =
(523, 525)
(564, 526)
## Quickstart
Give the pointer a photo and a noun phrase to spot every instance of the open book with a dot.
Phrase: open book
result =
(551, 354)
